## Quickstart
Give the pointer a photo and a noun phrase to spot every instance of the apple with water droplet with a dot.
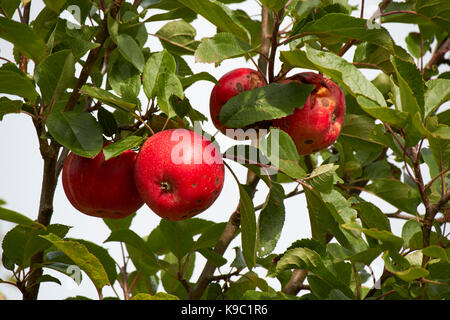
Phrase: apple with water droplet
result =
(231, 84)
(179, 173)
(100, 188)
(317, 124)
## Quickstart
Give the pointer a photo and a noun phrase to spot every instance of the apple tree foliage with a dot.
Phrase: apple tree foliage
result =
(394, 144)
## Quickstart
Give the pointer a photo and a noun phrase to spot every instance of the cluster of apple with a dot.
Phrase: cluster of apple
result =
(178, 189)
(168, 174)
(314, 127)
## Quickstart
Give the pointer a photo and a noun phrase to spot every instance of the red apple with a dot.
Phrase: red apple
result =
(231, 84)
(178, 173)
(102, 188)
(318, 124)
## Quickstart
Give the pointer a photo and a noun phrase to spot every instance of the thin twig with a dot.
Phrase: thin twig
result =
(403, 147)
(255, 64)
(226, 277)
(172, 42)
(402, 216)
(362, 9)
(4, 12)
(273, 50)
(346, 46)
(438, 53)
(7, 60)
(265, 41)
(294, 37)
(435, 282)
(439, 175)
(385, 294)
(289, 195)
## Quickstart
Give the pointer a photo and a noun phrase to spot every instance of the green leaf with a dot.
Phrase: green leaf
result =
(357, 128)
(212, 256)
(396, 193)
(17, 84)
(384, 236)
(219, 15)
(337, 28)
(7, 262)
(271, 220)
(78, 43)
(304, 258)
(435, 252)
(79, 132)
(238, 261)
(324, 177)
(179, 241)
(410, 228)
(439, 270)
(169, 280)
(55, 5)
(156, 241)
(341, 208)
(265, 103)
(249, 281)
(48, 278)
(138, 249)
(248, 227)
(366, 256)
(274, 5)
(81, 256)
(131, 51)
(431, 14)
(339, 70)
(253, 26)
(322, 219)
(210, 236)
(205, 76)
(438, 93)
(21, 243)
(130, 238)
(178, 37)
(9, 6)
(55, 74)
(157, 296)
(118, 224)
(107, 121)
(412, 274)
(411, 86)
(108, 98)
(102, 254)
(114, 149)
(372, 217)
(18, 218)
(258, 295)
(168, 85)
(177, 13)
(9, 106)
(413, 40)
(372, 56)
(123, 77)
(25, 40)
(282, 152)
(221, 47)
(158, 63)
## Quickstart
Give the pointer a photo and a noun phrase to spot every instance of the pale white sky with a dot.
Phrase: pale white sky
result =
(21, 173)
